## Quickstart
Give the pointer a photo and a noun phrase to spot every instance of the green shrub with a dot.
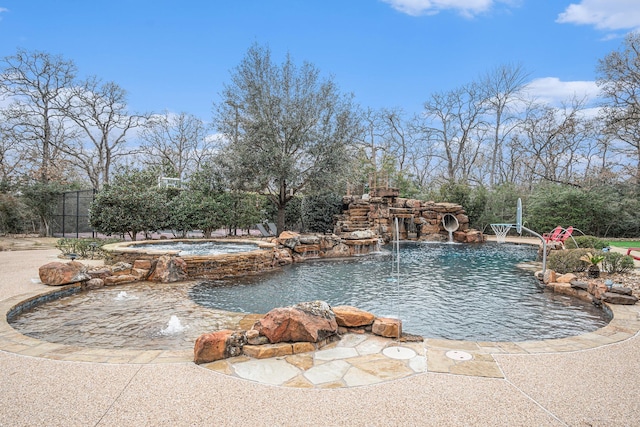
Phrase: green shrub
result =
(586, 242)
(84, 247)
(318, 211)
(13, 213)
(615, 262)
(567, 261)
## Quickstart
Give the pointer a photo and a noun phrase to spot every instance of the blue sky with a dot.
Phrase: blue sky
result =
(176, 56)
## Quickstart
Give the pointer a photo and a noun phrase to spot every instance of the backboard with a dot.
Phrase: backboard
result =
(519, 216)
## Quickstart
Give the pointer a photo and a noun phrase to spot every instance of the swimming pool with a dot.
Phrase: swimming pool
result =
(466, 292)
(453, 291)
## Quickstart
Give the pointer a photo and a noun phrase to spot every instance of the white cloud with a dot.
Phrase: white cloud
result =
(551, 90)
(2, 10)
(467, 8)
(603, 14)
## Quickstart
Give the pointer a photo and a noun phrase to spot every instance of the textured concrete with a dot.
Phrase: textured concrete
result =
(549, 384)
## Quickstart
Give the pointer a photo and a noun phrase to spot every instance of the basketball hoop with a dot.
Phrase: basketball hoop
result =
(501, 231)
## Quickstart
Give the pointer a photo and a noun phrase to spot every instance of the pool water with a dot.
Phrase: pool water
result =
(453, 291)
(141, 316)
(199, 248)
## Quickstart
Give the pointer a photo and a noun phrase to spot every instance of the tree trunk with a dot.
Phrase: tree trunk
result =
(280, 219)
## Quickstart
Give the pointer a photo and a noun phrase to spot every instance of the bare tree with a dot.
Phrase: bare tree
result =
(502, 87)
(368, 144)
(619, 82)
(553, 140)
(12, 158)
(99, 110)
(37, 83)
(178, 142)
(453, 122)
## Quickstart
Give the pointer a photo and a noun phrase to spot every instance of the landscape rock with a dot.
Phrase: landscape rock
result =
(120, 279)
(121, 268)
(360, 235)
(579, 284)
(289, 239)
(387, 327)
(99, 273)
(621, 290)
(549, 276)
(254, 338)
(218, 345)
(309, 322)
(566, 278)
(168, 269)
(597, 289)
(475, 236)
(268, 350)
(351, 317)
(613, 298)
(59, 273)
(93, 284)
(143, 264)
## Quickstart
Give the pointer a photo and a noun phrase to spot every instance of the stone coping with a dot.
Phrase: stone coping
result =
(354, 360)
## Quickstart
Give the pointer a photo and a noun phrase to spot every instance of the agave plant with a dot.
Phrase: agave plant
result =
(593, 261)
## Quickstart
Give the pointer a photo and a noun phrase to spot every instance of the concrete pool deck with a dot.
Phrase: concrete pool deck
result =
(593, 379)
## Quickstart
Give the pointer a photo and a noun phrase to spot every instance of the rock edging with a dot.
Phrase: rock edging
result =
(301, 328)
(594, 291)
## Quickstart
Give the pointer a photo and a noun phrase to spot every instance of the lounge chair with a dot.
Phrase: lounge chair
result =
(637, 258)
(553, 236)
(264, 231)
(565, 235)
(272, 228)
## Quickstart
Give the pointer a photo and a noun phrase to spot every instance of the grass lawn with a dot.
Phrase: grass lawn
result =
(625, 243)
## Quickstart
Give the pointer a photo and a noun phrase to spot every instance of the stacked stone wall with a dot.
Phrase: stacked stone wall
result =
(417, 219)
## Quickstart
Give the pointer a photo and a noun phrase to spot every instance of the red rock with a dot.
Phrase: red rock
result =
(309, 322)
(169, 269)
(387, 327)
(352, 317)
(59, 273)
(211, 347)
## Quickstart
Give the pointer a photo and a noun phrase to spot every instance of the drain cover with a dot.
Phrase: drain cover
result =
(458, 355)
(402, 353)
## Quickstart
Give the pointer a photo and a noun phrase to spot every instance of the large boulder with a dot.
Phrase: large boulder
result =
(60, 273)
(307, 321)
(168, 269)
